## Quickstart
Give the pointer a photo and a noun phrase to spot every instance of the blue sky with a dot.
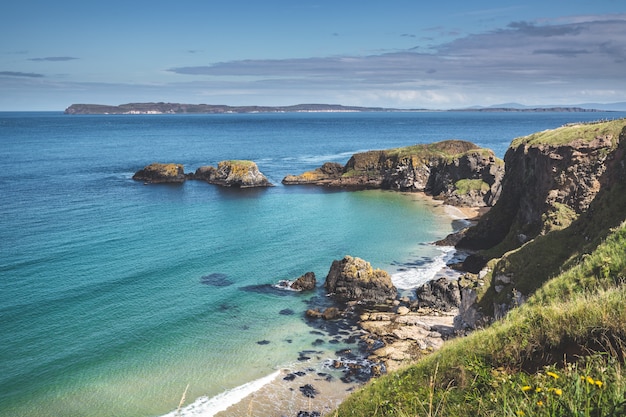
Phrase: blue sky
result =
(393, 53)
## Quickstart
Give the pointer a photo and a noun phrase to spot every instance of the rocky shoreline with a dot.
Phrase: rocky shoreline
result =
(385, 331)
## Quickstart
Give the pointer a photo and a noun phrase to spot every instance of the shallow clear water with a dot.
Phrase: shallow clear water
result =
(115, 295)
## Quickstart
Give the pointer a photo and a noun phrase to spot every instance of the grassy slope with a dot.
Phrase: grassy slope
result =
(574, 323)
(579, 312)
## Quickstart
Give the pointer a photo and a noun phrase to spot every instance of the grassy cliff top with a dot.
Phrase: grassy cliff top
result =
(565, 135)
(446, 149)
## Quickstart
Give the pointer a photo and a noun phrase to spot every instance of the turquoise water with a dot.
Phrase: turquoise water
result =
(115, 295)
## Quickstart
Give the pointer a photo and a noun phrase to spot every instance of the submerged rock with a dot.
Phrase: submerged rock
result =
(161, 173)
(305, 282)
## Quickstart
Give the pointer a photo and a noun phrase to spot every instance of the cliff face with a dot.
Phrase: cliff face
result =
(459, 172)
(551, 178)
(563, 192)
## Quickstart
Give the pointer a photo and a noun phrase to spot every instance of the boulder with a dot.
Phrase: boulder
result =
(161, 173)
(234, 173)
(353, 279)
(305, 282)
(441, 294)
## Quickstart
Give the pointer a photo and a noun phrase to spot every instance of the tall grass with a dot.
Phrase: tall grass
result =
(574, 327)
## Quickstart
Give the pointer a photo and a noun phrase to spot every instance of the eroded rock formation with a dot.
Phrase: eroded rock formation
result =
(234, 173)
(353, 279)
(457, 171)
(161, 173)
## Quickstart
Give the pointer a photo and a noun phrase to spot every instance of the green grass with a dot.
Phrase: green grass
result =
(573, 326)
(583, 334)
(466, 185)
(567, 134)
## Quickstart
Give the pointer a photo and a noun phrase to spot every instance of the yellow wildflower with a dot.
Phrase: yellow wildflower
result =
(520, 413)
(599, 383)
(553, 375)
(590, 380)
(526, 388)
(558, 391)
(538, 389)
(540, 403)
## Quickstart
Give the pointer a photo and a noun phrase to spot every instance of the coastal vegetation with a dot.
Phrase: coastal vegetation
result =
(556, 341)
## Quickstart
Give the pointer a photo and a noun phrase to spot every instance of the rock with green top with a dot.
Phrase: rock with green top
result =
(353, 279)
(161, 173)
(233, 173)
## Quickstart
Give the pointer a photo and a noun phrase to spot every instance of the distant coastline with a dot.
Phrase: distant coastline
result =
(178, 108)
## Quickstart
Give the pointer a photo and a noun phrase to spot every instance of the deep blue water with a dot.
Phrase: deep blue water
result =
(115, 295)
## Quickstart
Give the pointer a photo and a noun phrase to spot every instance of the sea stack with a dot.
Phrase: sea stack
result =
(161, 173)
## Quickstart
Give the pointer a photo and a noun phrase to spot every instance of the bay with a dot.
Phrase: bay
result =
(115, 295)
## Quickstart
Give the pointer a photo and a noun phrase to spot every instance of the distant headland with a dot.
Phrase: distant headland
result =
(178, 108)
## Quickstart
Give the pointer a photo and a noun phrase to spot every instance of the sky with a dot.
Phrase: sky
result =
(407, 54)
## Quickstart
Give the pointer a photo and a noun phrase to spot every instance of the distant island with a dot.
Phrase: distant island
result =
(178, 108)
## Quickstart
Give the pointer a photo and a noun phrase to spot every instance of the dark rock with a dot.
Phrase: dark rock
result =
(309, 414)
(161, 173)
(474, 263)
(305, 282)
(318, 342)
(440, 294)
(308, 391)
(286, 312)
(263, 342)
(353, 279)
(216, 279)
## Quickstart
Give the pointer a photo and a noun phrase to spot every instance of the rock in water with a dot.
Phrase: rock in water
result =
(353, 279)
(308, 390)
(161, 173)
(305, 282)
(234, 173)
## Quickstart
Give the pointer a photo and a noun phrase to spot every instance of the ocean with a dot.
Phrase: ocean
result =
(116, 296)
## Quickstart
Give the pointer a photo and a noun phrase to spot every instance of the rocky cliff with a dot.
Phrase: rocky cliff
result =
(563, 192)
(458, 172)
(551, 178)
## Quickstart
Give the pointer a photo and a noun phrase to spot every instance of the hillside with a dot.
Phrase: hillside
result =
(552, 302)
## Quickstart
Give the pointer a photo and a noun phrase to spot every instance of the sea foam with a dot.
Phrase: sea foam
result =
(208, 407)
(414, 277)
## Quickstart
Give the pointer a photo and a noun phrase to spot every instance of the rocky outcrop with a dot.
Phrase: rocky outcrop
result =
(562, 193)
(239, 174)
(458, 172)
(551, 178)
(353, 279)
(441, 294)
(161, 173)
(400, 339)
(234, 173)
(304, 283)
